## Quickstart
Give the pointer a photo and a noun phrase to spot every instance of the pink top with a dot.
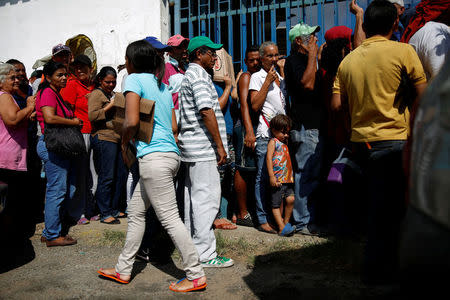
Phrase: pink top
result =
(13, 145)
(49, 98)
(170, 70)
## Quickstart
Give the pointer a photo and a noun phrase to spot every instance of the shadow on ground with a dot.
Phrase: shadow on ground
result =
(325, 271)
(15, 254)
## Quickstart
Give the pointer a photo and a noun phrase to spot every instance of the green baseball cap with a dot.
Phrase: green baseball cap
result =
(199, 41)
(302, 29)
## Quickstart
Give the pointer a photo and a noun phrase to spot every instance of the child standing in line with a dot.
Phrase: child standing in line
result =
(280, 172)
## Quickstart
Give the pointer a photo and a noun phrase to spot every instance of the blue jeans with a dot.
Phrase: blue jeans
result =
(108, 165)
(61, 179)
(307, 148)
(262, 180)
(385, 190)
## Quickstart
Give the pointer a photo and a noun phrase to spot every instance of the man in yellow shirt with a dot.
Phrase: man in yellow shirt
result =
(368, 85)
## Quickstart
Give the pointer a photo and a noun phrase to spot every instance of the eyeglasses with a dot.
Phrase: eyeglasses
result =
(212, 54)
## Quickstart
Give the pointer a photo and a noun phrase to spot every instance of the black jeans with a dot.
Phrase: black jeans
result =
(381, 163)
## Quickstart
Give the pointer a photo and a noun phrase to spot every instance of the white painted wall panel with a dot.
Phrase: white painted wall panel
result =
(30, 28)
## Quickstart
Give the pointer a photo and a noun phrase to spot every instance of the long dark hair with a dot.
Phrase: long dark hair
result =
(145, 59)
(333, 54)
(105, 71)
(49, 69)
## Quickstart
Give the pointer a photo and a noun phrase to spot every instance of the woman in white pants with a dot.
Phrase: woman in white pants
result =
(158, 164)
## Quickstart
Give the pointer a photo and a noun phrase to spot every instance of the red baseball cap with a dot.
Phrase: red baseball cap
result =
(337, 32)
(176, 40)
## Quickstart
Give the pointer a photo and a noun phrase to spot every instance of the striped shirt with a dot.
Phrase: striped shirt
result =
(197, 92)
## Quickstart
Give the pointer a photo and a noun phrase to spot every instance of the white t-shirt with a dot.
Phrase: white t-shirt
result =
(274, 103)
(432, 44)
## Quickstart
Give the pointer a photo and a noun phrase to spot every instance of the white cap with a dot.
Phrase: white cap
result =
(399, 2)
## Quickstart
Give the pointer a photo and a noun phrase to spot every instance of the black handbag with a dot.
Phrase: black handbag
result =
(64, 140)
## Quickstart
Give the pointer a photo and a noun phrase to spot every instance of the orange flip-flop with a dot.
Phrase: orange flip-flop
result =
(113, 277)
(225, 226)
(195, 288)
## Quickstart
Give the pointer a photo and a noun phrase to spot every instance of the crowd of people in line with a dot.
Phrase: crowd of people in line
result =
(263, 142)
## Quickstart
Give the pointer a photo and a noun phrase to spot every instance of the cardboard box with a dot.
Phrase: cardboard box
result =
(223, 66)
(146, 117)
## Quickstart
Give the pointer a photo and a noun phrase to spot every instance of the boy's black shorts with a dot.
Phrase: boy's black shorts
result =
(281, 193)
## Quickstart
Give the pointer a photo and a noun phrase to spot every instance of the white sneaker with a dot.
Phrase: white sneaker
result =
(218, 262)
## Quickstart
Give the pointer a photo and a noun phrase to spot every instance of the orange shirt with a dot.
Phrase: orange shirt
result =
(76, 93)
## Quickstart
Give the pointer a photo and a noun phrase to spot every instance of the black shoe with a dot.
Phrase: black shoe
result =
(246, 221)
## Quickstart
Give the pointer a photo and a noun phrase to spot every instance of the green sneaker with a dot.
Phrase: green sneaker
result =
(218, 262)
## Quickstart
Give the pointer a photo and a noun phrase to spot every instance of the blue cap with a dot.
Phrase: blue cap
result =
(157, 44)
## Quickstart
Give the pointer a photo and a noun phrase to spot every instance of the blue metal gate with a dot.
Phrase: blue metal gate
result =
(238, 24)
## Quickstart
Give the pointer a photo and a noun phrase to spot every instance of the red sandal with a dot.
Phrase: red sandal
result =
(195, 288)
(113, 277)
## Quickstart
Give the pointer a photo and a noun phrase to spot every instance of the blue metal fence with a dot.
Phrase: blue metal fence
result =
(238, 24)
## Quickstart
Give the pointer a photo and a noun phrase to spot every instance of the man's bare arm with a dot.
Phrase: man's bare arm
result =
(210, 121)
(359, 35)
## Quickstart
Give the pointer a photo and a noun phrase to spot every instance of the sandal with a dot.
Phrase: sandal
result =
(266, 231)
(83, 221)
(225, 226)
(288, 230)
(116, 277)
(115, 221)
(122, 215)
(195, 288)
(95, 218)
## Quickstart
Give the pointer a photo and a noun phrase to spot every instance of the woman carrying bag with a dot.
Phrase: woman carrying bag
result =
(58, 148)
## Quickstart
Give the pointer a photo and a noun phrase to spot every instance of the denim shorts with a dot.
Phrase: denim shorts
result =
(245, 157)
(281, 193)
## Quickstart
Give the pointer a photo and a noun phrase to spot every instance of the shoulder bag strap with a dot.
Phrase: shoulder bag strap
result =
(61, 103)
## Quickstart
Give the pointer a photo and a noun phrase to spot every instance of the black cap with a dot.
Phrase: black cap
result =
(82, 60)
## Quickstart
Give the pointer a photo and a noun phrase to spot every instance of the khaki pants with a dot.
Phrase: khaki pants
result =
(156, 187)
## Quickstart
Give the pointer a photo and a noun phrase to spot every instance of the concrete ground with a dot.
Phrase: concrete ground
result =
(266, 267)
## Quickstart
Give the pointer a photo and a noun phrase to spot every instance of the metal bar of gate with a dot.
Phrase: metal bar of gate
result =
(177, 27)
(251, 22)
(243, 23)
(190, 26)
(218, 31)
(288, 27)
(273, 23)
(230, 30)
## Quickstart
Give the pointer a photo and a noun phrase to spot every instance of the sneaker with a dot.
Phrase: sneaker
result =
(246, 221)
(218, 262)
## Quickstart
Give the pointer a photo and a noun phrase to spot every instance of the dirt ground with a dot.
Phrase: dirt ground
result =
(266, 267)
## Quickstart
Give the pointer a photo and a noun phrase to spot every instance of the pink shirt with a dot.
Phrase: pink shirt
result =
(169, 71)
(13, 145)
(49, 98)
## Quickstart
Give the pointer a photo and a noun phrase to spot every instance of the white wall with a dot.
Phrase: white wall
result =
(30, 28)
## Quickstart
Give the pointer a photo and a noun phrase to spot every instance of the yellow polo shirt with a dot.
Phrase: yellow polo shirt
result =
(369, 78)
